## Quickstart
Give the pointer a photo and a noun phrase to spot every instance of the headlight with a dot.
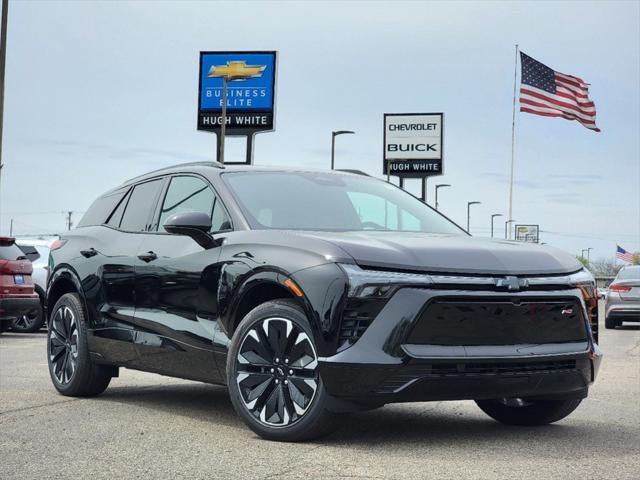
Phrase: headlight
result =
(379, 283)
(581, 278)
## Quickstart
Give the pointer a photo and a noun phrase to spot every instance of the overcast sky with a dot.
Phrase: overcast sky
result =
(97, 93)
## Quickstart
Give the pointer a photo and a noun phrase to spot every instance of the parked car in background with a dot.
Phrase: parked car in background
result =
(623, 298)
(37, 251)
(314, 293)
(17, 295)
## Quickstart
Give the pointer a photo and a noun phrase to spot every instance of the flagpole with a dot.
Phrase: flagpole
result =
(513, 139)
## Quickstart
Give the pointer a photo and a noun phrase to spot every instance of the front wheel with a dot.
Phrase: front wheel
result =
(273, 378)
(519, 411)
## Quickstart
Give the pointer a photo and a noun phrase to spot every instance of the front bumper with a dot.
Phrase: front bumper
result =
(12, 307)
(382, 367)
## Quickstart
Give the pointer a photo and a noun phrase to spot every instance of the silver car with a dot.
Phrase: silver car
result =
(623, 298)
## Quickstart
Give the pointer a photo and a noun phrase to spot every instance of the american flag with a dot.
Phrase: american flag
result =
(622, 254)
(553, 94)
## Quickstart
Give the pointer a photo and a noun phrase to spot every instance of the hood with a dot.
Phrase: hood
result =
(449, 253)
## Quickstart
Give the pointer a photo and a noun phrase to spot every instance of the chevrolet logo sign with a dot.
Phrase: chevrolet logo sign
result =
(236, 70)
(512, 283)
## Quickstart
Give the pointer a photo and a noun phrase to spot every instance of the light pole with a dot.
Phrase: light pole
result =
(506, 226)
(442, 185)
(582, 252)
(469, 213)
(494, 215)
(333, 144)
(3, 59)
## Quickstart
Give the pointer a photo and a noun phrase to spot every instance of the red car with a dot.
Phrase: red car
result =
(17, 294)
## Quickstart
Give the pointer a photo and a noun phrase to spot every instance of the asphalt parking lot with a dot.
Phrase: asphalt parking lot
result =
(148, 426)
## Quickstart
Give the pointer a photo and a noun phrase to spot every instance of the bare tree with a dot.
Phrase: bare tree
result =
(604, 268)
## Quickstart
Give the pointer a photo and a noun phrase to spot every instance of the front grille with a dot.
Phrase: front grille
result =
(460, 321)
(411, 373)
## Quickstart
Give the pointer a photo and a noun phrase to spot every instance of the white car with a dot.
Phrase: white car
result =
(37, 251)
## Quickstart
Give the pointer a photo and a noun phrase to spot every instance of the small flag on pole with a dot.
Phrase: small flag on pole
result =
(546, 92)
(623, 255)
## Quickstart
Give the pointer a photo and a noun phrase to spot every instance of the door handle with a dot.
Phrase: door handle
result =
(89, 253)
(148, 257)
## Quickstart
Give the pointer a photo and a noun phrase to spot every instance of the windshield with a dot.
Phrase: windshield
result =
(330, 202)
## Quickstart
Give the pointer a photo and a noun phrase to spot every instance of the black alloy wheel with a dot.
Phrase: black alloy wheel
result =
(63, 344)
(72, 371)
(29, 323)
(528, 412)
(277, 371)
(273, 375)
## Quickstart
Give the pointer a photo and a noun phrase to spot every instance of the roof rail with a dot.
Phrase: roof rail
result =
(189, 164)
(350, 170)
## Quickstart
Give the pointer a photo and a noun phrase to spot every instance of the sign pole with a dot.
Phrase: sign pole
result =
(249, 149)
(424, 189)
(513, 137)
(223, 126)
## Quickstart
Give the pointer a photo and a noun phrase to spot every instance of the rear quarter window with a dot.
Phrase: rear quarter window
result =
(100, 210)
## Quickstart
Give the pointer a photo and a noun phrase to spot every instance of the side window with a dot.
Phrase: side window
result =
(100, 209)
(192, 194)
(219, 220)
(116, 216)
(140, 205)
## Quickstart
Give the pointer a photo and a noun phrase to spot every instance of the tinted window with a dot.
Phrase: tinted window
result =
(192, 194)
(116, 216)
(187, 194)
(30, 252)
(330, 202)
(10, 251)
(141, 202)
(100, 209)
(220, 220)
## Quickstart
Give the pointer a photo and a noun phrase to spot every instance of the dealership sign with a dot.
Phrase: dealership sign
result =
(413, 144)
(251, 78)
(528, 233)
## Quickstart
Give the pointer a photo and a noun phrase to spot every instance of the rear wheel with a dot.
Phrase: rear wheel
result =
(611, 323)
(519, 411)
(273, 378)
(70, 366)
(29, 323)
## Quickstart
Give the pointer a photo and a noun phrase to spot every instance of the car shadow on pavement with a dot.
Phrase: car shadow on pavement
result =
(628, 327)
(398, 425)
(193, 400)
(440, 425)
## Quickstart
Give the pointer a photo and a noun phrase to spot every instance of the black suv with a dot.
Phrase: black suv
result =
(311, 294)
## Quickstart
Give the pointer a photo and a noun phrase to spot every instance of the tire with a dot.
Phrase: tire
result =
(280, 399)
(72, 372)
(29, 324)
(517, 411)
(611, 323)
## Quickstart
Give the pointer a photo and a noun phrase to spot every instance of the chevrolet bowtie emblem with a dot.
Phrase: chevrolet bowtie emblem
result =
(236, 70)
(511, 283)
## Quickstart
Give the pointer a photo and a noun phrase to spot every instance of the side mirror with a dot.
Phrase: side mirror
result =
(192, 224)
